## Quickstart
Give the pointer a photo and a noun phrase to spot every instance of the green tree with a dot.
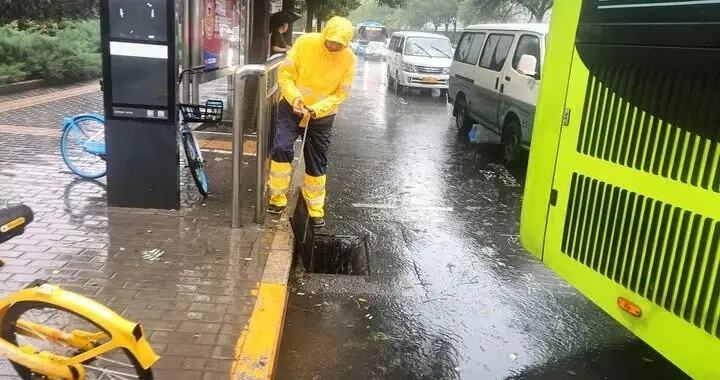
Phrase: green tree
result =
(47, 10)
(538, 8)
(509, 8)
(320, 10)
(483, 11)
(435, 13)
(370, 10)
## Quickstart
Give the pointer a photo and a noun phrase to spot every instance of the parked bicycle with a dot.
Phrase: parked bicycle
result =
(83, 149)
(50, 333)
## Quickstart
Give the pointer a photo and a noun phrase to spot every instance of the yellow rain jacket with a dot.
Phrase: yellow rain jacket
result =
(321, 78)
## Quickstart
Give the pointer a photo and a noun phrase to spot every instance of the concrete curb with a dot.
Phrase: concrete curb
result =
(257, 347)
(27, 85)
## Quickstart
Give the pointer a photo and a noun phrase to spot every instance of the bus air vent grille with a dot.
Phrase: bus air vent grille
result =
(661, 121)
(663, 253)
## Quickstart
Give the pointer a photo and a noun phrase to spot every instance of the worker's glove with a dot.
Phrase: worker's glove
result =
(298, 106)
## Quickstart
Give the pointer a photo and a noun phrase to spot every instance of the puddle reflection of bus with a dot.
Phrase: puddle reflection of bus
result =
(623, 183)
(370, 40)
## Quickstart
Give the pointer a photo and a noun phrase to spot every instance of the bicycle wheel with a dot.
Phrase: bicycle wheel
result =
(195, 162)
(82, 146)
(116, 364)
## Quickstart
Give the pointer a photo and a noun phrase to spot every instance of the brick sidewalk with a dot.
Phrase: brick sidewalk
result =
(193, 301)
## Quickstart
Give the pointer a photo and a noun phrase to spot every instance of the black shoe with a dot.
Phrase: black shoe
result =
(276, 210)
(317, 222)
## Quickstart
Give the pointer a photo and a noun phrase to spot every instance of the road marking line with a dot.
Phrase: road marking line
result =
(432, 208)
(381, 206)
(46, 98)
(34, 131)
(374, 205)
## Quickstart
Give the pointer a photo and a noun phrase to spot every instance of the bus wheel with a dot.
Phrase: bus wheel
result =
(512, 142)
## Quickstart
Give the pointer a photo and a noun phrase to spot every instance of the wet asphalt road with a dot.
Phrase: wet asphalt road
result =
(451, 293)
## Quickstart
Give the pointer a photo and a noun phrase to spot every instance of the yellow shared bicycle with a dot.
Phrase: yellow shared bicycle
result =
(50, 333)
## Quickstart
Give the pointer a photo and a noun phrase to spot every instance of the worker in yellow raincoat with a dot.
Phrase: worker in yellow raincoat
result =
(315, 79)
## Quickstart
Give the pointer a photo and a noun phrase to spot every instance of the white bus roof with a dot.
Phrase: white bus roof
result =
(419, 34)
(537, 28)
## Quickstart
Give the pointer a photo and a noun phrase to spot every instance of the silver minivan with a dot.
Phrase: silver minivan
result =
(494, 81)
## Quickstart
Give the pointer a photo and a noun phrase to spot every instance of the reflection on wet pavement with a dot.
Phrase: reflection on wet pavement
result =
(451, 293)
(185, 275)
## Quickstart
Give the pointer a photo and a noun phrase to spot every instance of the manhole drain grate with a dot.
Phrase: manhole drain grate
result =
(325, 253)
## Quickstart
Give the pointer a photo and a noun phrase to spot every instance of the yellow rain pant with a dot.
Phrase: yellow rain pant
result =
(314, 192)
(279, 182)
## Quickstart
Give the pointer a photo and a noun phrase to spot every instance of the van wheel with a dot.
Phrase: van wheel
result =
(443, 95)
(390, 80)
(463, 123)
(512, 142)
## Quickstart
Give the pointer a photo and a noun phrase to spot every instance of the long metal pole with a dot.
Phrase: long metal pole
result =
(262, 129)
(186, 46)
(196, 43)
(239, 109)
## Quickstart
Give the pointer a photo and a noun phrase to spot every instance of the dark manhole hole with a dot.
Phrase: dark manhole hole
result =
(325, 253)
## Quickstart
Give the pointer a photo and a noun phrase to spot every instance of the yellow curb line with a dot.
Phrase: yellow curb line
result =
(256, 351)
(257, 348)
(249, 146)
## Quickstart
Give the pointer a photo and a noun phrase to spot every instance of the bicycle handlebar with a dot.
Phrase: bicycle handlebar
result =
(192, 70)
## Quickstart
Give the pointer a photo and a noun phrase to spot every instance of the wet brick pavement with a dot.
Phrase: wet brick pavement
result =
(193, 301)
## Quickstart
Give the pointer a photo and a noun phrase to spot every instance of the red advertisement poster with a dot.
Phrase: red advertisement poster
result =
(220, 33)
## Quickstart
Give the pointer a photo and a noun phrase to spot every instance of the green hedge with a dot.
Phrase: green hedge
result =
(62, 51)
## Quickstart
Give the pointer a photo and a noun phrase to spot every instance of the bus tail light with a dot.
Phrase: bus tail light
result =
(629, 307)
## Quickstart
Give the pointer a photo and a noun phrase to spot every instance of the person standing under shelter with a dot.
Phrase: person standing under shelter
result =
(314, 80)
(279, 27)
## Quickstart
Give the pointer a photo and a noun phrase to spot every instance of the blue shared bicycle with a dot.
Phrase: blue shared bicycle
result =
(83, 149)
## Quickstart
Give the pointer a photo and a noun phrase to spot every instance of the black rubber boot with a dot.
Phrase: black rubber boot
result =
(276, 210)
(317, 222)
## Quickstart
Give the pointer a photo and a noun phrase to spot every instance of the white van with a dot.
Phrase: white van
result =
(416, 59)
(494, 81)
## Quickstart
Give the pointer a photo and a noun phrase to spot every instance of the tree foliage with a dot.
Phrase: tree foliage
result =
(47, 10)
(54, 51)
(507, 9)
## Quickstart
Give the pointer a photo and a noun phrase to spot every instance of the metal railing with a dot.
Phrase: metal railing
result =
(266, 107)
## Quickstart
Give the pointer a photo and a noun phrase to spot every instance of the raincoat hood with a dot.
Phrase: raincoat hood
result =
(338, 29)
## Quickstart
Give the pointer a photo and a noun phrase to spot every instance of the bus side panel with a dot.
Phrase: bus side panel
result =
(635, 216)
(547, 126)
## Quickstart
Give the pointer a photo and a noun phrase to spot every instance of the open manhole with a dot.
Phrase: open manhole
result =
(327, 253)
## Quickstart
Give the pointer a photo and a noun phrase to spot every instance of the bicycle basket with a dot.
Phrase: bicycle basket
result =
(196, 113)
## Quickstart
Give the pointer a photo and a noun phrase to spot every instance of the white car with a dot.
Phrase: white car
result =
(420, 60)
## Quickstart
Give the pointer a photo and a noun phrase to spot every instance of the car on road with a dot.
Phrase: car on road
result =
(420, 60)
(494, 81)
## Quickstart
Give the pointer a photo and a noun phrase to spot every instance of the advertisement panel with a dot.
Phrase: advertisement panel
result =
(222, 20)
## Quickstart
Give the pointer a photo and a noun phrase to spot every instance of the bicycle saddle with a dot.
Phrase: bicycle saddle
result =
(13, 220)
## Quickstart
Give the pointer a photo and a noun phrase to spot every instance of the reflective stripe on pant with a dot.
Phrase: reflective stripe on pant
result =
(315, 154)
(314, 192)
(279, 182)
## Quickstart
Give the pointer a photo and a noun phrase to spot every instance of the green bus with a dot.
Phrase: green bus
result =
(622, 194)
